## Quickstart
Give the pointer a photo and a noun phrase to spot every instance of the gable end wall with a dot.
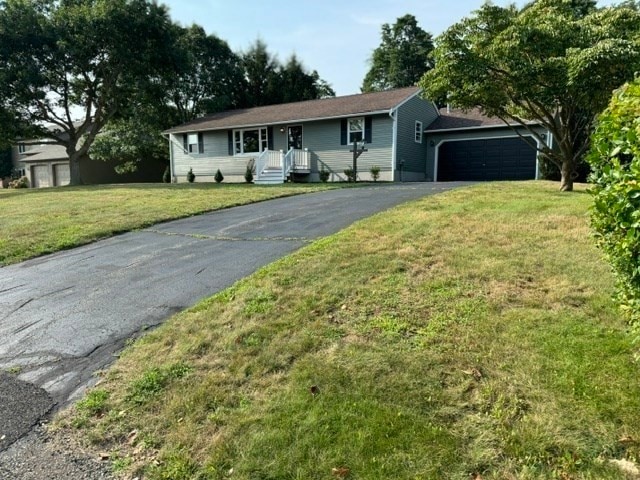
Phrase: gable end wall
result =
(413, 154)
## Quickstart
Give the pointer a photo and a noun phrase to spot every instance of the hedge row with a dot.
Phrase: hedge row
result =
(615, 216)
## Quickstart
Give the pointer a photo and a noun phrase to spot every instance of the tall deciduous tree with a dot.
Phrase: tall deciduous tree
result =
(61, 57)
(403, 57)
(555, 62)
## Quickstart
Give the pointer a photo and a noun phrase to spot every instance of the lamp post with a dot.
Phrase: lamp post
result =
(356, 153)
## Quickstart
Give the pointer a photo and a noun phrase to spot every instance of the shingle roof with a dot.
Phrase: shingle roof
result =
(45, 152)
(335, 107)
(458, 118)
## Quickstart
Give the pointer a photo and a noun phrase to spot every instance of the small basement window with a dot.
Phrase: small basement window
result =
(418, 136)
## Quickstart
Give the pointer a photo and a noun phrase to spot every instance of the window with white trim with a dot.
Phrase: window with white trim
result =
(250, 140)
(22, 148)
(355, 130)
(418, 137)
(192, 143)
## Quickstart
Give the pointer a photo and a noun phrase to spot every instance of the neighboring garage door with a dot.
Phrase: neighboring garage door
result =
(494, 159)
(40, 176)
(61, 174)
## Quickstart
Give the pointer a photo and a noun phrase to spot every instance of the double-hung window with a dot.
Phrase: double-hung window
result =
(193, 143)
(251, 140)
(418, 136)
(355, 129)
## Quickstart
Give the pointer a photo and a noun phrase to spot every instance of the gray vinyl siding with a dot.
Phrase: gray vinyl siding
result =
(321, 138)
(437, 138)
(411, 154)
(216, 156)
(323, 141)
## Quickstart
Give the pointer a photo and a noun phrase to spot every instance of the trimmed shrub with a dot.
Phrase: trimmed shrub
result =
(22, 182)
(615, 215)
(218, 177)
(248, 174)
(375, 173)
(191, 176)
(349, 173)
(324, 175)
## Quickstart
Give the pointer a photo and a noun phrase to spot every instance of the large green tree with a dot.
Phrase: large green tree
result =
(403, 57)
(296, 84)
(268, 82)
(209, 78)
(64, 58)
(554, 62)
(261, 76)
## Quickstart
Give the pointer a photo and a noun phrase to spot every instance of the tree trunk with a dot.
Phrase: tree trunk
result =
(566, 180)
(74, 169)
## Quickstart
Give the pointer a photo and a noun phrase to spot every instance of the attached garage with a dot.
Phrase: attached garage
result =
(486, 159)
(465, 145)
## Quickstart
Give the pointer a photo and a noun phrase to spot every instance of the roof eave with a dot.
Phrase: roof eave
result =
(479, 127)
(279, 122)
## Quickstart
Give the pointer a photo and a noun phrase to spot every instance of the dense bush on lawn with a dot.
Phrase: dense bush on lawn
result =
(615, 160)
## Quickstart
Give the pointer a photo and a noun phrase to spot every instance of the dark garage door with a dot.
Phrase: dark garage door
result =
(495, 159)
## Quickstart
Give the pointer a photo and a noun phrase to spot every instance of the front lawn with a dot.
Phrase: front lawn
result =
(39, 221)
(467, 335)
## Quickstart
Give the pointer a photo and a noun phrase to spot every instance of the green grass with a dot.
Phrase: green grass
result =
(466, 335)
(39, 221)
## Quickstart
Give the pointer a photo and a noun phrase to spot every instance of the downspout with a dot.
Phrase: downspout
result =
(394, 117)
(171, 167)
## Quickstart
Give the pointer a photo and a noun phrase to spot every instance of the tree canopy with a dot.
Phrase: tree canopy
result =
(403, 57)
(269, 82)
(554, 62)
(209, 76)
(61, 57)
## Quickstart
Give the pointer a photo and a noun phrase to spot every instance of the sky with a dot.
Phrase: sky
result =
(334, 37)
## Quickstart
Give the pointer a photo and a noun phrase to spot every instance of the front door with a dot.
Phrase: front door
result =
(294, 136)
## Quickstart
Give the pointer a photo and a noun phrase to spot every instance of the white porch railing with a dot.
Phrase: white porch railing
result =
(273, 161)
(296, 160)
(269, 159)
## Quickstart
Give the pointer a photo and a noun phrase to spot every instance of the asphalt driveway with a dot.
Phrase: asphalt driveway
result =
(64, 316)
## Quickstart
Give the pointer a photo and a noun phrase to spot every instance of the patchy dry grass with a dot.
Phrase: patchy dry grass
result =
(466, 335)
(39, 221)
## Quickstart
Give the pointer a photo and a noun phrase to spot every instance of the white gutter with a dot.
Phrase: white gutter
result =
(480, 127)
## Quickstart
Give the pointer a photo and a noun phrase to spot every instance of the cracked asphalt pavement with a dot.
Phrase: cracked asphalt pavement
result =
(64, 316)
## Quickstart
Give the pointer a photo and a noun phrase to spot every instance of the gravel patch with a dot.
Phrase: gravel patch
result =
(22, 405)
(41, 456)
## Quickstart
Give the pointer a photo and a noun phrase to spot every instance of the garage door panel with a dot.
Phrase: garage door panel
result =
(491, 159)
(61, 174)
(40, 176)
